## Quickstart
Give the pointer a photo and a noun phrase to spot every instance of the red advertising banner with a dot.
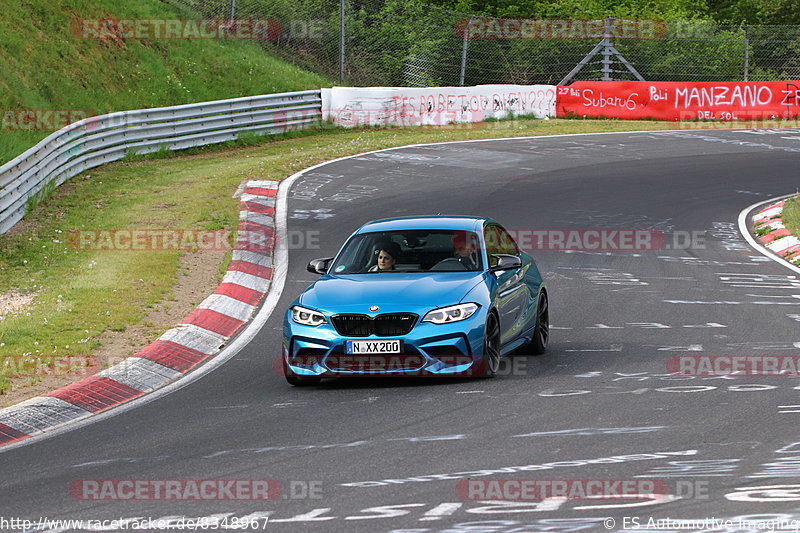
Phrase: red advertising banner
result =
(725, 101)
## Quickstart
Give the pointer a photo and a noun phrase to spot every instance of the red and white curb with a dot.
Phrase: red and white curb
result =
(200, 335)
(777, 238)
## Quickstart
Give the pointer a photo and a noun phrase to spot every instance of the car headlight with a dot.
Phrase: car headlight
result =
(307, 317)
(453, 313)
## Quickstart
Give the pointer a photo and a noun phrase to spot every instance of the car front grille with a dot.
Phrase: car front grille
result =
(352, 325)
(385, 325)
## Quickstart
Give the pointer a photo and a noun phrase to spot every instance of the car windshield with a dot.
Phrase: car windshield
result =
(410, 251)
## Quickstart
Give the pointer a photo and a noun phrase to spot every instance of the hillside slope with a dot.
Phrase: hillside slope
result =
(45, 65)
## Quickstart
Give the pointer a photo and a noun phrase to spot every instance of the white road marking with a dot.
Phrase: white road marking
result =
(751, 192)
(449, 477)
(593, 431)
(674, 279)
(311, 516)
(700, 302)
(612, 348)
(689, 348)
(441, 510)
(431, 439)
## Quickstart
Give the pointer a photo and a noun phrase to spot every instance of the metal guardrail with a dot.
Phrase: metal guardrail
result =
(95, 141)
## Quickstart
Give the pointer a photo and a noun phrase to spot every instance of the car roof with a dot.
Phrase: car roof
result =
(452, 222)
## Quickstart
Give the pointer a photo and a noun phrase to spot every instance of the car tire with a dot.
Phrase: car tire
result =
(541, 333)
(296, 380)
(491, 347)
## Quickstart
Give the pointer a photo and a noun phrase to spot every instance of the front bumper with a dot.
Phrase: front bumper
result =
(454, 349)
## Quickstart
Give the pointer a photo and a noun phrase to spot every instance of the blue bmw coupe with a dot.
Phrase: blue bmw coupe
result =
(417, 296)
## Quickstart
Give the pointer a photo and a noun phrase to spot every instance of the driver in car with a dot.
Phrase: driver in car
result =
(464, 250)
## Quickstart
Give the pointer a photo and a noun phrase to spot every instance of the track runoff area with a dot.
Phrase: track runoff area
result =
(637, 237)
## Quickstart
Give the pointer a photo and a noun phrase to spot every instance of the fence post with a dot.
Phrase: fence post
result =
(464, 47)
(341, 42)
(746, 51)
(233, 11)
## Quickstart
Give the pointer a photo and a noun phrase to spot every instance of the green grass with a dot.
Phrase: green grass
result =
(82, 293)
(760, 232)
(44, 66)
(791, 216)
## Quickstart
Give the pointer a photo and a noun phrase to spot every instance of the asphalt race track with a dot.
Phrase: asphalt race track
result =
(600, 405)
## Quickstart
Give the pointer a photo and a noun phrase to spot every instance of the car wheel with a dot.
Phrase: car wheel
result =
(491, 346)
(541, 334)
(296, 380)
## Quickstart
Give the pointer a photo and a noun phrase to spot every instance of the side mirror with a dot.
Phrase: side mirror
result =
(506, 262)
(319, 266)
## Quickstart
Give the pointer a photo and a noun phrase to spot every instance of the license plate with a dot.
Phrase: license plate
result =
(377, 347)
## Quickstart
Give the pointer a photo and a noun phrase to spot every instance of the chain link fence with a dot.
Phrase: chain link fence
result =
(402, 43)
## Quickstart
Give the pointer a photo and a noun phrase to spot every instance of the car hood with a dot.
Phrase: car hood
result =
(391, 291)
